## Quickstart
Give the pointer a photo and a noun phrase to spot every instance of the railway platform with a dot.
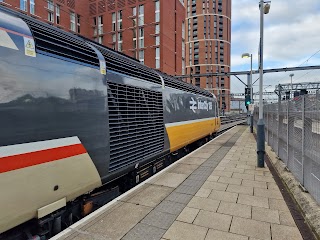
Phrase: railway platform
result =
(216, 192)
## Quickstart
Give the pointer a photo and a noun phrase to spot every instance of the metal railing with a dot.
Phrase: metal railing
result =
(292, 129)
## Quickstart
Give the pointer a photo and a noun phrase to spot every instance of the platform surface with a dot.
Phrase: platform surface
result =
(216, 192)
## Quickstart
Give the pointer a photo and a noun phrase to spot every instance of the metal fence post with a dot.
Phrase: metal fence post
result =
(303, 137)
(288, 107)
(279, 133)
(267, 123)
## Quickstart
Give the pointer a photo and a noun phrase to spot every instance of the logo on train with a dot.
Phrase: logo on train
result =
(200, 105)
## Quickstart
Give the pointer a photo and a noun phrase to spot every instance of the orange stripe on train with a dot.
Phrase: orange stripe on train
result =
(24, 160)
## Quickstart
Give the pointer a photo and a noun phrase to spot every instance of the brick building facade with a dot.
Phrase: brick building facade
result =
(149, 30)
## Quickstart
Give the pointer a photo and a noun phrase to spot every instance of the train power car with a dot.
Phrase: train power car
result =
(79, 122)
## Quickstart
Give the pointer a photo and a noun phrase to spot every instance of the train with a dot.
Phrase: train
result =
(80, 123)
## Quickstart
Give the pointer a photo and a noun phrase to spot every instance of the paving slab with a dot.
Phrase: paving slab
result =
(172, 180)
(223, 196)
(126, 216)
(215, 186)
(179, 197)
(159, 219)
(278, 204)
(185, 231)
(144, 232)
(269, 193)
(194, 161)
(235, 181)
(251, 228)
(264, 179)
(255, 184)
(286, 219)
(204, 203)
(243, 176)
(281, 232)
(203, 192)
(235, 209)
(213, 178)
(253, 200)
(183, 168)
(151, 196)
(219, 235)
(188, 215)
(222, 173)
(170, 207)
(265, 215)
(240, 189)
(213, 220)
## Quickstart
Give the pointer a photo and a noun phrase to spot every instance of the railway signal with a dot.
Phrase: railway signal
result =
(247, 97)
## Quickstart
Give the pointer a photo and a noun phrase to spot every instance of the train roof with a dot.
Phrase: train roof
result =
(53, 41)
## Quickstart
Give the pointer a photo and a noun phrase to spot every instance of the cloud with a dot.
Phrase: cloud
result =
(291, 36)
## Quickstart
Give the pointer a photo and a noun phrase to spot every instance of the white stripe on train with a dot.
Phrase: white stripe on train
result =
(37, 146)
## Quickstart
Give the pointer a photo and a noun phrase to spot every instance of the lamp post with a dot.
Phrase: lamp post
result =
(264, 9)
(248, 55)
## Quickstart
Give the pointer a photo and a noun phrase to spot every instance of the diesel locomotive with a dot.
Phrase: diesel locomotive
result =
(79, 122)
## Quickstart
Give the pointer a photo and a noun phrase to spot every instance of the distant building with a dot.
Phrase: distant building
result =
(208, 28)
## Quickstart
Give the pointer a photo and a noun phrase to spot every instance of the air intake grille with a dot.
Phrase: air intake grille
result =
(52, 40)
(136, 124)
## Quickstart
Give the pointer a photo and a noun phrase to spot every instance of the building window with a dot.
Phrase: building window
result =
(100, 25)
(157, 11)
(72, 21)
(32, 9)
(120, 41)
(183, 30)
(134, 11)
(157, 57)
(157, 30)
(141, 56)
(120, 20)
(100, 39)
(113, 21)
(141, 38)
(141, 15)
(23, 5)
(78, 23)
(134, 38)
(58, 14)
(114, 38)
(134, 15)
(158, 40)
(50, 5)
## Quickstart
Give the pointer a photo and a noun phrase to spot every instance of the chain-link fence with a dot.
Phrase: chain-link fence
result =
(292, 129)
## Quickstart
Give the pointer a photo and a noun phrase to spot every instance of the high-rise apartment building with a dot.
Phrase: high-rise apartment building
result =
(148, 30)
(208, 28)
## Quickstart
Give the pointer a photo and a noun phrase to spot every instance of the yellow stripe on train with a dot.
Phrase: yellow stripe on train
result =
(181, 134)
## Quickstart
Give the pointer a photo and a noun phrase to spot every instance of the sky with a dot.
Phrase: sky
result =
(291, 37)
